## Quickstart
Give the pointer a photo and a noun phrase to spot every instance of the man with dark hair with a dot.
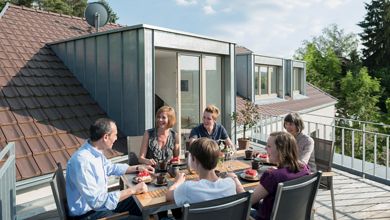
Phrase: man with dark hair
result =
(87, 177)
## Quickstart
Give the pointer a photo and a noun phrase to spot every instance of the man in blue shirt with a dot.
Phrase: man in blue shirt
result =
(87, 177)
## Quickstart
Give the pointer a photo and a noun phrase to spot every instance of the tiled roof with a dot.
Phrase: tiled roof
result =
(242, 50)
(43, 108)
(315, 98)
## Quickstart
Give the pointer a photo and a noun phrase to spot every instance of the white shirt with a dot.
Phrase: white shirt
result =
(203, 190)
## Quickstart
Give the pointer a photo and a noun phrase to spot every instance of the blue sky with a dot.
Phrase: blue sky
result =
(268, 27)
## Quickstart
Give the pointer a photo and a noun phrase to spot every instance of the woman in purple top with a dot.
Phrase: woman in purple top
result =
(283, 151)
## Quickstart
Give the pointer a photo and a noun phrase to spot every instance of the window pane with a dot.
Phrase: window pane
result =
(297, 78)
(264, 80)
(213, 81)
(190, 84)
(257, 82)
(273, 72)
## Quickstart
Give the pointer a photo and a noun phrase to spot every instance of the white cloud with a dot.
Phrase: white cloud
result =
(334, 3)
(208, 10)
(186, 2)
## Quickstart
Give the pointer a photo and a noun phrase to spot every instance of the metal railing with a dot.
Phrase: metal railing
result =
(361, 148)
(7, 183)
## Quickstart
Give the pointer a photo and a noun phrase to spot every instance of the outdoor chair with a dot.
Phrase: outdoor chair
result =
(234, 207)
(58, 188)
(294, 199)
(324, 150)
(133, 148)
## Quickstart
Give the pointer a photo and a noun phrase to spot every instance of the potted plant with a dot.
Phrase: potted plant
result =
(247, 117)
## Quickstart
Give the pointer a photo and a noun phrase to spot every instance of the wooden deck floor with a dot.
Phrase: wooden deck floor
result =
(356, 198)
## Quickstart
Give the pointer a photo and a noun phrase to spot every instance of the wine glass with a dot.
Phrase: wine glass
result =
(232, 150)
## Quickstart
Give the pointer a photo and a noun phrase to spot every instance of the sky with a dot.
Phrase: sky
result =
(267, 27)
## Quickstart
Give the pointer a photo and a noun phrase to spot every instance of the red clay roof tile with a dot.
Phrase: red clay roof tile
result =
(71, 151)
(31, 102)
(61, 156)
(28, 65)
(6, 118)
(60, 126)
(27, 167)
(38, 114)
(10, 91)
(45, 102)
(53, 142)
(4, 105)
(69, 140)
(66, 112)
(29, 130)
(18, 176)
(45, 128)
(74, 124)
(22, 149)
(45, 163)
(37, 145)
(16, 103)
(23, 116)
(12, 132)
(52, 113)
(58, 101)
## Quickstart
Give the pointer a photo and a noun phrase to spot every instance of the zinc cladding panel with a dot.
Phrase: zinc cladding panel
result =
(80, 57)
(191, 43)
(71, 55)
(268, 60)
(243, 74)
(90, 66)
(102, 71)
(115, 76)
(131, 86)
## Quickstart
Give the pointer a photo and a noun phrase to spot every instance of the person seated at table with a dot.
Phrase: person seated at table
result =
(87, 173)
(210, 128)
(283, 151)
(162, 142)
(203, 158)
(293, 123)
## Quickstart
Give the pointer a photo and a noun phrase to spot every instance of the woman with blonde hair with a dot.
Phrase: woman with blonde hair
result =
(161, 142)
(210, 128)
(283, 151)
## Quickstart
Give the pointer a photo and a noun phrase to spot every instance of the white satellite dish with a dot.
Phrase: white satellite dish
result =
(96, 15)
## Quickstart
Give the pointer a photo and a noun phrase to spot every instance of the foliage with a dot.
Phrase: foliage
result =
(248, 116)
(341, 43)
(360, 95)
(113, 16)
(68, 7)
(322, 70)
(376, 41)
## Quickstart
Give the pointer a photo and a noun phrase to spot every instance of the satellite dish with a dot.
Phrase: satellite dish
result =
(96, 15)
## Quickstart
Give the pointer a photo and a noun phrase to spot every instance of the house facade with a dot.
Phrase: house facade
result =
(278, 86)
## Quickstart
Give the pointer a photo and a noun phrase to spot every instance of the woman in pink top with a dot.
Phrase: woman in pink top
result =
(283, 151)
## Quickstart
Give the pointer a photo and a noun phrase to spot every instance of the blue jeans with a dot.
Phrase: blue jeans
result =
(126, 205)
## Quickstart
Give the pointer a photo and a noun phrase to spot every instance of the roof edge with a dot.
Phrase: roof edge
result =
(323, 92)
(2, 12)
(139, 26)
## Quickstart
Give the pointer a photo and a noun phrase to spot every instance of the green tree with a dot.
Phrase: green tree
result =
(113, 16)
(376, 41)
(360, 95)
(322, 69)
(343, 44)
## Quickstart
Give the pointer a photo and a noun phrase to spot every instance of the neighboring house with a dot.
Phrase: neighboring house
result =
(278, 86)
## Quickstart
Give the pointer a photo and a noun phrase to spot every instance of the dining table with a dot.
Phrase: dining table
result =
(154, 200)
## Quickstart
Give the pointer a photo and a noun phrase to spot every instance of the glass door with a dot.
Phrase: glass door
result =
(190, 90)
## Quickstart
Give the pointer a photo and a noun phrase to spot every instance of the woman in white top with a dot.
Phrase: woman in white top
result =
(203, 157)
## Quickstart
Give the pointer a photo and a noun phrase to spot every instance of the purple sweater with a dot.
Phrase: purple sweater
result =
(269, 180)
